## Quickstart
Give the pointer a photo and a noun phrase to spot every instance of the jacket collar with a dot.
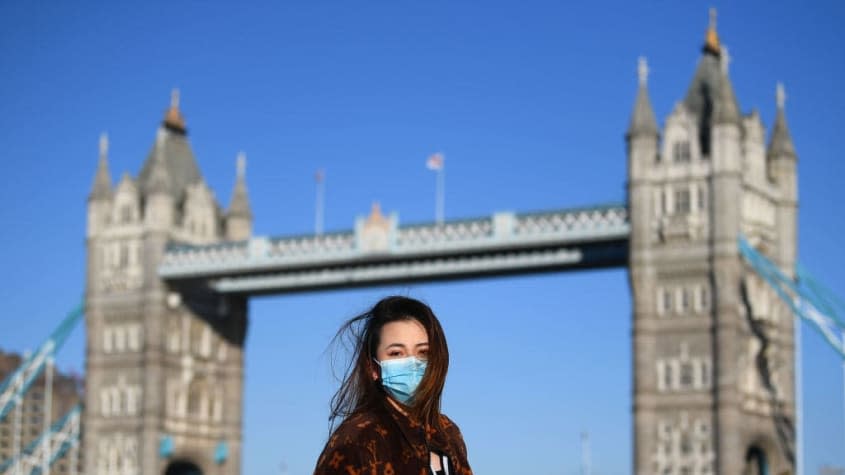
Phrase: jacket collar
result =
(422, 438)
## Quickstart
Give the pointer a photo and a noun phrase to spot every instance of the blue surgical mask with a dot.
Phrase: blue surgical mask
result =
(400, 377)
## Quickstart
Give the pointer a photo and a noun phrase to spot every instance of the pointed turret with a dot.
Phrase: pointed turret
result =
(239, 205)
(174, 151)
(725, 108)
(705, 81)
(641, 138)
(102, 190)
(239, 215)
(780, 144)
(158, 180)
(157, 190)
(100, 198)
(711, 89)
(643, 121)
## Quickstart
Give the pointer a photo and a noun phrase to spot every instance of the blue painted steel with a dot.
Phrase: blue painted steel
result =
(165, 446)
(56, 427)
(806, 298)
(39, 358)
(825, 299)
(221, 452)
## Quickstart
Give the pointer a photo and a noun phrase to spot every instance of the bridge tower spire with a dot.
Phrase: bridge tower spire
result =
(782, 164)
(643, 124)
(162, 363)
(100, 198)
(702, 322)
(239, 215)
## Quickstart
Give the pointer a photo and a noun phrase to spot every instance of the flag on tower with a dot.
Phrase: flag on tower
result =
(435, 162)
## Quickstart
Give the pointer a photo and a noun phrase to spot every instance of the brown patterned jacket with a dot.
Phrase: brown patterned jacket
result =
(387, 442)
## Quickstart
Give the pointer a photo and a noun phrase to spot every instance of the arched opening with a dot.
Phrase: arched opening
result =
(756, 462)
(182, 467)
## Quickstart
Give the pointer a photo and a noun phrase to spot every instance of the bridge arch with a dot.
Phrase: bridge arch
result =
(182, 467)
(756, 461)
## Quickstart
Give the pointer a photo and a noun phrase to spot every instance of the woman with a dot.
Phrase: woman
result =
(389, 399)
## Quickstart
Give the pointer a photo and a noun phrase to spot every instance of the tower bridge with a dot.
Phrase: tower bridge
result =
(170, 270)
(380, 251)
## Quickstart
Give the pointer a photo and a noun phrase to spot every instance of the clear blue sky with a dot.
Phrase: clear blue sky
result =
(529, 102)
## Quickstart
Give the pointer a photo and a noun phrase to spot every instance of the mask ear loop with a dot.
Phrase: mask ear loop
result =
(371, 351)
(377, 369)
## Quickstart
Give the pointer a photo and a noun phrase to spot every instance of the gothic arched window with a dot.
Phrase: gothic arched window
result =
(681, 151)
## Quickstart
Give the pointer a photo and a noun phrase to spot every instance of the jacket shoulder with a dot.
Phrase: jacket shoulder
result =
(346, 452)
(449, 426)
(357, 425)
(456, 440)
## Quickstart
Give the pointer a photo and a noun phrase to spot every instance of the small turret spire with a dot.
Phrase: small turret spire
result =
(711, 41)
(159, 180)
(642, 71)
(239, 206)
(725, 108)
(643, 121)
(173, 119)
(781, 144)
(104, 146)
(780, 96)
(102, 179)
(241, 166)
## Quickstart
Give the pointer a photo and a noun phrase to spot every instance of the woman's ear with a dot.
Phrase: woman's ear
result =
(374, 370)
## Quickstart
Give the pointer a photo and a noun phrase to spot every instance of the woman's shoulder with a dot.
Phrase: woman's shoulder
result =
(450, 429)
(448, 424)
(454, 439)
(359, 424)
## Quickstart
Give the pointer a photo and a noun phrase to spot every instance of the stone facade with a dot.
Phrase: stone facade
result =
(712, 343)
(164, 367)
(67, 393)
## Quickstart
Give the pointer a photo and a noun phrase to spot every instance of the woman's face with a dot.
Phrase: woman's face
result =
(400, 339)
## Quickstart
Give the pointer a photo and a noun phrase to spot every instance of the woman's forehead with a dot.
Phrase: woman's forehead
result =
(403, 331)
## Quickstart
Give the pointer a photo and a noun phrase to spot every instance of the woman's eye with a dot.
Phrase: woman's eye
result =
(423, 354)
(394, 354)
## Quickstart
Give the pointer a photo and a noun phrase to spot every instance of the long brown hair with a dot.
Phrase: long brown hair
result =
(361, 335)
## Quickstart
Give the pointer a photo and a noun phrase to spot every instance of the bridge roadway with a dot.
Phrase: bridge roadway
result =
(379, 251)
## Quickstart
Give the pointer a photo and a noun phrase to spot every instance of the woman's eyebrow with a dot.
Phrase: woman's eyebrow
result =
(401, 345)
(425, 343)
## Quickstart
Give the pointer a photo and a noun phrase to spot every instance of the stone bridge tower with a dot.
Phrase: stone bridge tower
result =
(164, 369)
(713, 346)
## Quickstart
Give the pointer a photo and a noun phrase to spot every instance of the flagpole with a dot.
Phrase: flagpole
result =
(585, 454)
(318, 211)
(440, 199)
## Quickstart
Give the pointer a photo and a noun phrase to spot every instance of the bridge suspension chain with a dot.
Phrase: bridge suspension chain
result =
(808, 301)
(48, 447)
(55, 440)
(805, 296)
(18, 382)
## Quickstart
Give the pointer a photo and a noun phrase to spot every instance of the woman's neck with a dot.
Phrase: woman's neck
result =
(399, 407)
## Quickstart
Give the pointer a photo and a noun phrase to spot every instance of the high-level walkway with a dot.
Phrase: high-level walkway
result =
(378, 250)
